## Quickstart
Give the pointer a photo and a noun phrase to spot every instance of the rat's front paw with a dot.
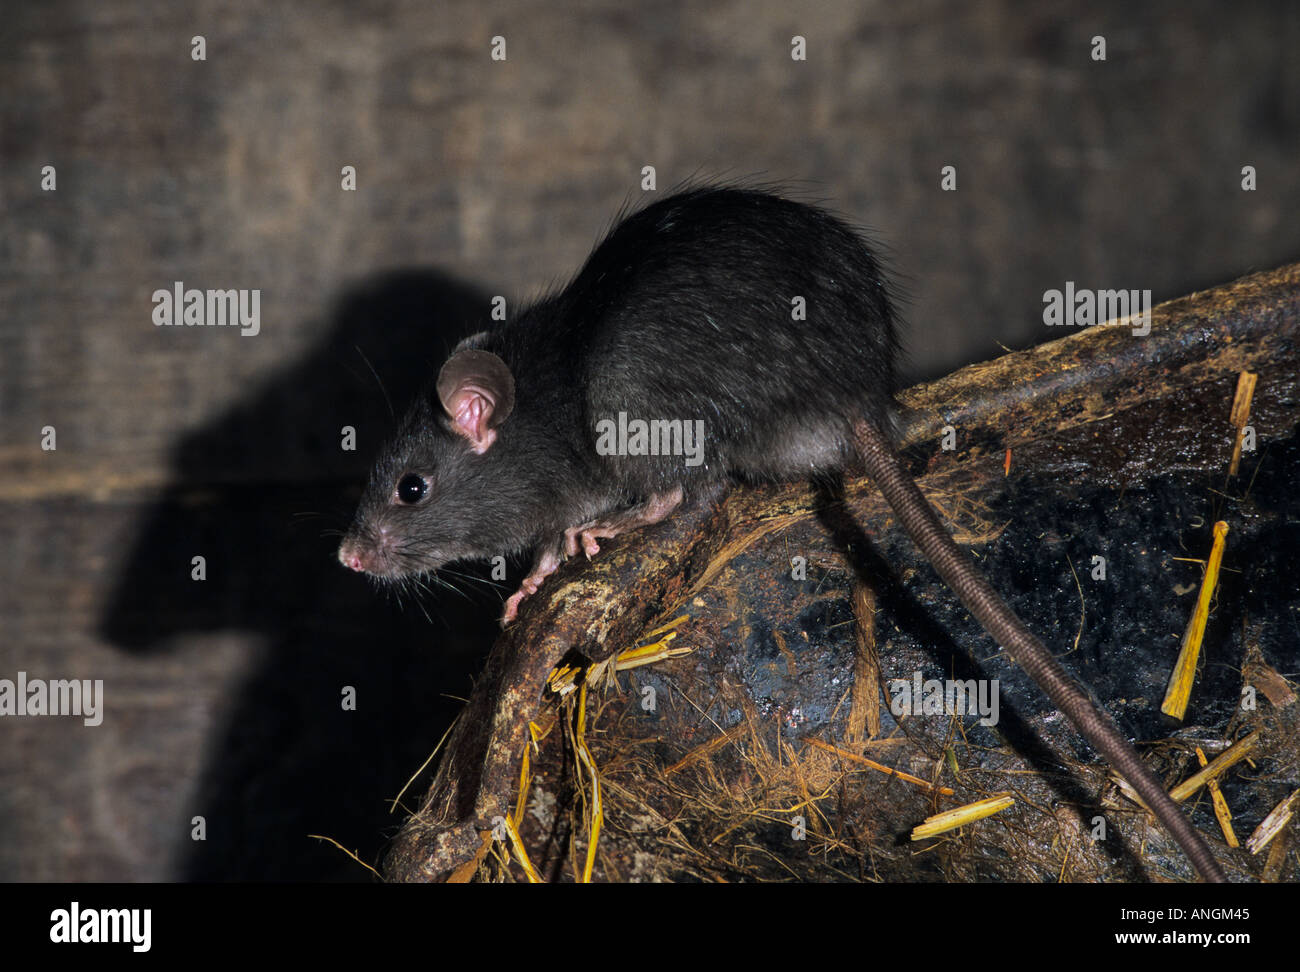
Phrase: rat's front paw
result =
(512, 606)
(543, 567)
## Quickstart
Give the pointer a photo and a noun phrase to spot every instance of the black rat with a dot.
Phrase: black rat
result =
(762, 322)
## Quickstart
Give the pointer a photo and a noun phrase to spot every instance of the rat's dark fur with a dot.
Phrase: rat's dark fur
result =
(683, 312)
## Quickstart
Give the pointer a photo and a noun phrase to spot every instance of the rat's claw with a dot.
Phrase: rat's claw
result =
(584, 536)
(592, 534)
(571, 541)
(587, 537)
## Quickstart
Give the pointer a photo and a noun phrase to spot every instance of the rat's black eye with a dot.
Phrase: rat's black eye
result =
(411, 489)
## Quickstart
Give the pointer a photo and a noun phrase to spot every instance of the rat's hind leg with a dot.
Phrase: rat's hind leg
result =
(606, 527)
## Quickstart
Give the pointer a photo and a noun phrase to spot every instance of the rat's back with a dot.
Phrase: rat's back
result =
(766, 319)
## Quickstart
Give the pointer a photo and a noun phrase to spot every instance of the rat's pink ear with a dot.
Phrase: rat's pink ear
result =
(478, 392)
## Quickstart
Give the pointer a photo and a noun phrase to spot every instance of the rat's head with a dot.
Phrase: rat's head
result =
(433, 495)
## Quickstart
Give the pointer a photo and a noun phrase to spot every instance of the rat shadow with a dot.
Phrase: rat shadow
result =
(262, 493)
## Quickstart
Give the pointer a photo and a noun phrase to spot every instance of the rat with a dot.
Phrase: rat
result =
(675, 363)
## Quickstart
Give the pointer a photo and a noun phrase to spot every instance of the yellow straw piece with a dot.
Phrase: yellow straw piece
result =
(704, 749)
(1221, 811)
(517, 843)
(586, 759)
(649, 654)
(1180, 682)
(351, 854)
(563, 679)
(1273, 824)
(961, 816)
(1240, 415)
(676, 622)
(855, 758)
(525, 780)
(1229, 757)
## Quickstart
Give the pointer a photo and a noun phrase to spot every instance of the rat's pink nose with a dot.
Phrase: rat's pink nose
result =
(367, 552)
(350, 558)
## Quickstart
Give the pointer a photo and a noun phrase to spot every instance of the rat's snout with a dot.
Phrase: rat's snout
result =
(350, 555)
(365, 554)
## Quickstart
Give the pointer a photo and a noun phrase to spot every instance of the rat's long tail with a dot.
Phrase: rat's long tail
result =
(928, 533)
